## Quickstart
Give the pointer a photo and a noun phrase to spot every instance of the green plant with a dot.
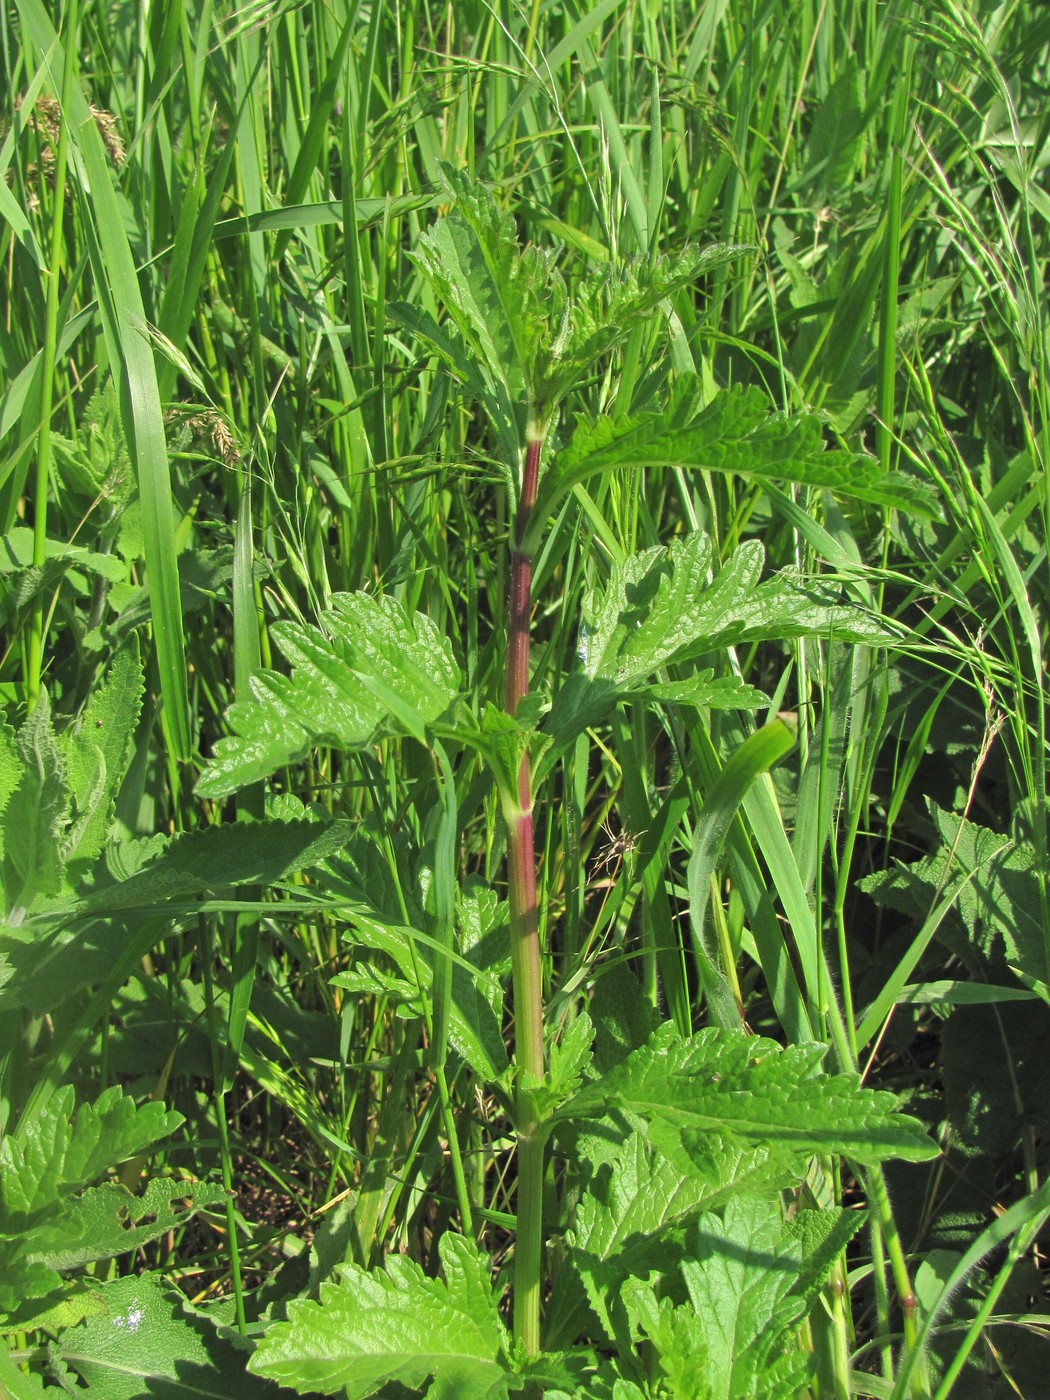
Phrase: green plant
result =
(229, 241)
(731, 1113)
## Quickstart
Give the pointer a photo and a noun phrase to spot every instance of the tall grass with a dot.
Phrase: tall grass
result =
(207, 212)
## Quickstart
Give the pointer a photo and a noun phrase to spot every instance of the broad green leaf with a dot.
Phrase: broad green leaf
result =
(22, 1282)
(740, 1282)
(370, 1330)
(99, 1223)
(630, 1222)
(666, 605)
(150, 1343)
(10, 777)
(23, 580)
(723, 1087)
(344, 681)
(84, 940)
(35, 816)
(108, 1220)
(697, 1360)
(998, 902)
(75, 1300)
(209, 860)
(836, 134)
(97, 754)
(15, 1384)
(54, 1154)
(823, 1236)
(734, 433)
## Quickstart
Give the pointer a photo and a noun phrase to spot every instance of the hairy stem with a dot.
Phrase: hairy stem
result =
(524, 933)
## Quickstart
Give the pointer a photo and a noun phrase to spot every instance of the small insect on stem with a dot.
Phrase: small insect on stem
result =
(618, 846)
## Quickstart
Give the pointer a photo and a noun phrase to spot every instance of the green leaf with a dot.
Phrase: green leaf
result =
(373, 1329)
(504, 740)
(209, 860)
(86, 938)
(108, 1220)
(568, 1058)
(150, 1343)
(36, 815)
(515, 324)
(734, 433)
(123, 319)
(371, 667)
(100, 1223)
(23, 580)
(723, 1087)
(836, 134)
(505, 303)
(823, 1236)
(630, 1223)
(756, 755)
(475, 1008)
(998, 901)
(53, 1155)
(665, 606)
(15, 1384)
(740, 1284)
(734, 1338)
(97, 754)
(10, 777)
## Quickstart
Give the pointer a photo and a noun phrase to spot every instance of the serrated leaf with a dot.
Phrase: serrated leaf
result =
(370, 1330)
(16, 561)
(150, 1343)
(665, 605)
(630, 1221)
(998, 901)
(504, 740)
(707, 691)
(339, 692)
(568, 1058)
(734, 433)
(33, 1310)
(22, 1282)
(515, 325)
(503, 301)
(97, 754)
(212, 859)
(36, 815)
(740, 1283)
(728, 1087)
(108, 1220)
(823, 1236)
(10, 777)
(54, 1155)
